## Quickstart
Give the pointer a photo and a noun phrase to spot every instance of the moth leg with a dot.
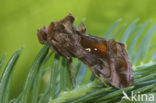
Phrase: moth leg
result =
(99, 78)
(71, 71)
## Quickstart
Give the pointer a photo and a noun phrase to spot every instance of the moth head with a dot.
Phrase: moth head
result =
(42, 35)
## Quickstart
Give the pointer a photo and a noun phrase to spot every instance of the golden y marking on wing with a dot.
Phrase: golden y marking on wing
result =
(86, 43)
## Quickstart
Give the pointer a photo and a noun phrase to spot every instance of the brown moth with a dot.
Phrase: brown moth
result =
(105, 57)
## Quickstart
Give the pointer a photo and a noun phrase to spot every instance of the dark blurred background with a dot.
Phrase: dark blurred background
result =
(20, 20)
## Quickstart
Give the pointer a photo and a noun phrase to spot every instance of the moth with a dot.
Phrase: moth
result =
(107, 58)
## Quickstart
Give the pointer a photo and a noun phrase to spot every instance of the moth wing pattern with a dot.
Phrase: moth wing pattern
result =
(109, 58)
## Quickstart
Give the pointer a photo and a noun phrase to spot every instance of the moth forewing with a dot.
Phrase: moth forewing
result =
(108, 58)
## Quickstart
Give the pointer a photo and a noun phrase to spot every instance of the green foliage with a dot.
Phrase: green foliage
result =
(66, 84)
(35, 66)
(6, 77)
